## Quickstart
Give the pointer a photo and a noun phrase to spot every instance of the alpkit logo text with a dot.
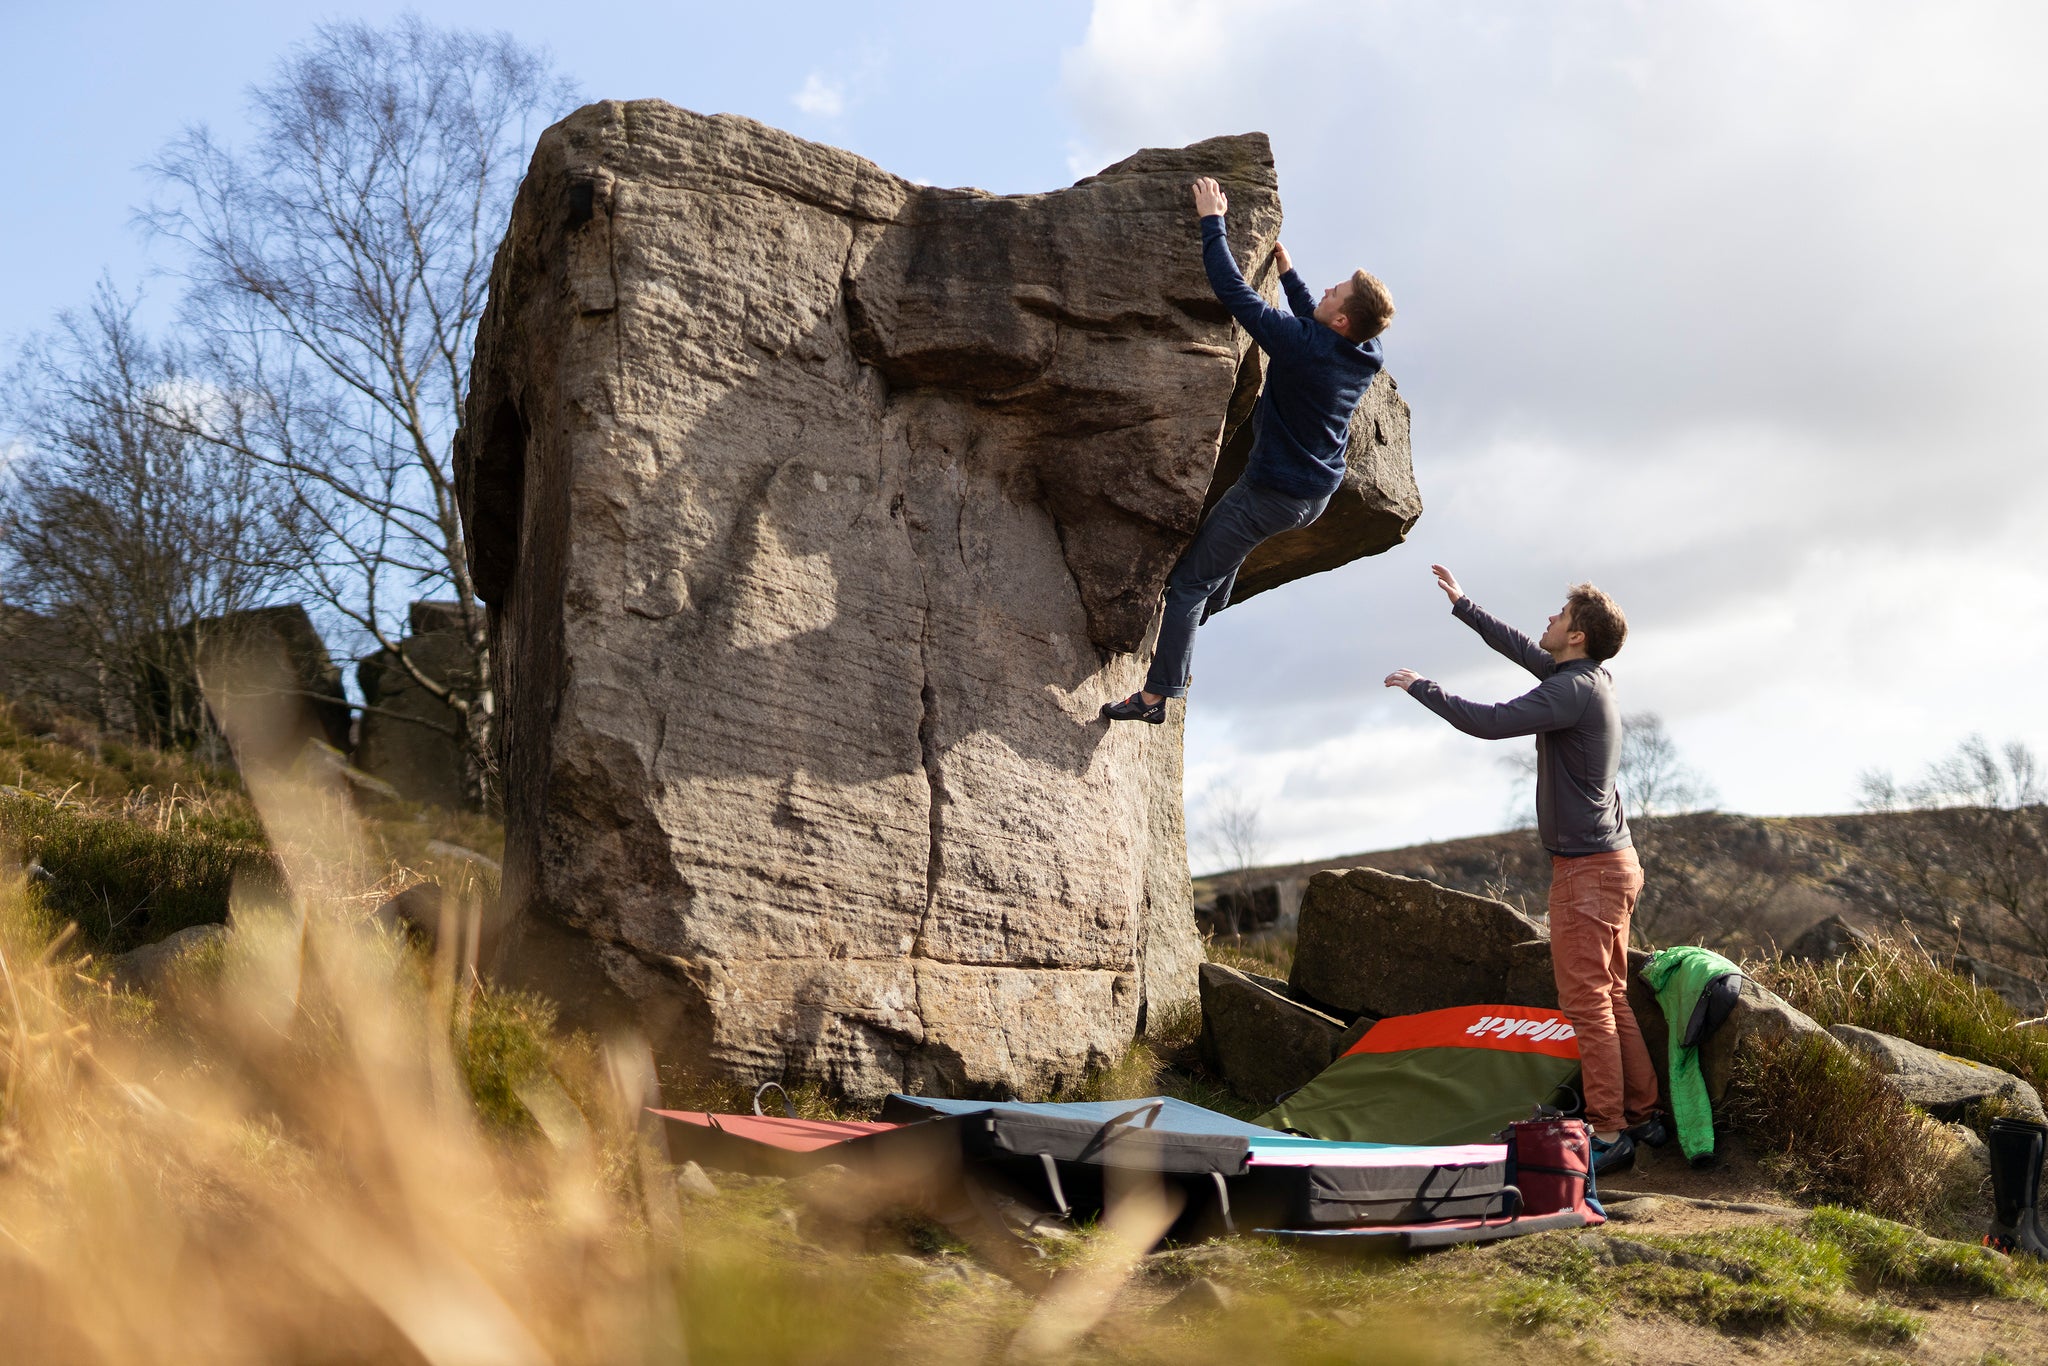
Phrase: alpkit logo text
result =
(1533, 1030)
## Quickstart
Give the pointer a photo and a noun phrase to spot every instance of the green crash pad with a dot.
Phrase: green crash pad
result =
(1446, 1076)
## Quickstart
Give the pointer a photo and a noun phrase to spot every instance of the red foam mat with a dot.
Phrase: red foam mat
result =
(791, 1135)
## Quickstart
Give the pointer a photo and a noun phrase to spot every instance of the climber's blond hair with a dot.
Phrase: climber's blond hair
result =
(1368, 308)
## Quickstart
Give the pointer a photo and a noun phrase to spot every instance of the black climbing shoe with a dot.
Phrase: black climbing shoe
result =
(1133, 708)
(2017, 1147)
(1653, 1132)
(1617, 1156)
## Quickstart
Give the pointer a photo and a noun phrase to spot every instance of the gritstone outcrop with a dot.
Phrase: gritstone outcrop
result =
(818, 512)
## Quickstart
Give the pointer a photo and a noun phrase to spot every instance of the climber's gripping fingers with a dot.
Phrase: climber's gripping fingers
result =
(1209, 198)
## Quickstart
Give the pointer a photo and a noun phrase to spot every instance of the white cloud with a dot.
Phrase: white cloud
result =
(834, 94)
(821, 98)
(1732, 307)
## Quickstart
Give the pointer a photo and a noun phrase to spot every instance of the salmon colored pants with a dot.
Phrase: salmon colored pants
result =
(1591, 900)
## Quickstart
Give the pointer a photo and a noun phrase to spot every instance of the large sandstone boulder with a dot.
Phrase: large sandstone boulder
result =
(1381, 944)
(1259, 1039)
(1939, 1083)
(818, 512)
(269, 657)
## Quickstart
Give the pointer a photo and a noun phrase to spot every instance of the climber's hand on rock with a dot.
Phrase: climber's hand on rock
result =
(1280, 256)
(1448, 582)
(1401, 678)
(1209, 198)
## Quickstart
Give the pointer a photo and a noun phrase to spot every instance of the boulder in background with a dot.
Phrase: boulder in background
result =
(1380, 944)
(1259, 1039)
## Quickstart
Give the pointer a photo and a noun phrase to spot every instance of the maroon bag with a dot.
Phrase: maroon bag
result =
(1551, 1162)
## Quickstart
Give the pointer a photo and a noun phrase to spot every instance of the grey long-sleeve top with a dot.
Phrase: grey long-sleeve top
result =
(1577, 727)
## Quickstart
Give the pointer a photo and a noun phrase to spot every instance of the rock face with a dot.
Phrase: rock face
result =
(817, 513)
(1258, 1038)
(1377, 943)
(39, 660)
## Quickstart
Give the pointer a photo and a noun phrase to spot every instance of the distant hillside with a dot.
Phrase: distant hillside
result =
(1745, 885)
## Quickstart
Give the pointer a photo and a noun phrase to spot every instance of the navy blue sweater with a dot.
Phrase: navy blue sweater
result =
(1314, 378)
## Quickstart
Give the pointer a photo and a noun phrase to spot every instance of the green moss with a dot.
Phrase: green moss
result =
(1756, 1279)
(506, 1047)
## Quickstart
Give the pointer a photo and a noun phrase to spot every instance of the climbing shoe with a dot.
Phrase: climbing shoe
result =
(1653, 1132)
(1133, 708)
(2016, 1147)
(1615, 1156)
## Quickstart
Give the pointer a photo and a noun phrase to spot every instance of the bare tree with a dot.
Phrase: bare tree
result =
(121, 527)
(1654, 780)
(1969, 839)
(1230, 837)
(337, 266)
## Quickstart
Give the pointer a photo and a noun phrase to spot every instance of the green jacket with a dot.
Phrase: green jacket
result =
(1681, 976)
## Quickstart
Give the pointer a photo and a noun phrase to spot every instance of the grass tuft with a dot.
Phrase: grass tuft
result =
(126, 882)
(505, 1048)
(1267, 955)
(1832, 1129)
(1888, 1253)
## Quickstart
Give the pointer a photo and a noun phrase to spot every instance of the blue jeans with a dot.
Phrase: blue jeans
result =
(1200, 584)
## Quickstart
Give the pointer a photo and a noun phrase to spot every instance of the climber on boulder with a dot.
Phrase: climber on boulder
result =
(1320, 358)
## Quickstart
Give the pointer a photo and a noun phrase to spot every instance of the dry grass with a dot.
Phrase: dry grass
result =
(135, 844)
(1832, 1129)
(1269, 955)
(1897, 989)
(317, 1146)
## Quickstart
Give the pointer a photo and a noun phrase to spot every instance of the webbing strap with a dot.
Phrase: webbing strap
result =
(1052, 1184)
(1223, 1201)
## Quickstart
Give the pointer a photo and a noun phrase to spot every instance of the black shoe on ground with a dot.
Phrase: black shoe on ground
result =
(1653, 1132)
(1133, 708)
(1617, 1156)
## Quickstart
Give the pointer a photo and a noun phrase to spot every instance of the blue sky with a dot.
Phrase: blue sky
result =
(1734, 307)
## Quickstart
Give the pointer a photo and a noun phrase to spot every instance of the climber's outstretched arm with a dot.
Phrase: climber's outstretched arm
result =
(1273, 330)
(1299, 299)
